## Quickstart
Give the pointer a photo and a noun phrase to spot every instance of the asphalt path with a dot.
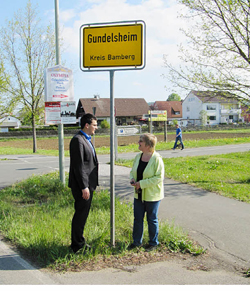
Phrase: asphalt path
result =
(15, 168)
(220, 224)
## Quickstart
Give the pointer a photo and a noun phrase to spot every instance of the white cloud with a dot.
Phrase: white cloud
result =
(162, 23)
(162, 28)
(67, 15)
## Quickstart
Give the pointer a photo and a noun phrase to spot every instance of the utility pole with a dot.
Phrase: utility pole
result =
(60, 126)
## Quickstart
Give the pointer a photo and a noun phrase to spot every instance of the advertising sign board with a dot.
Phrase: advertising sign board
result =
(108, 45)
(157, 115)
(58, 84)
(60, 113)
(68, 112)
(52, 113)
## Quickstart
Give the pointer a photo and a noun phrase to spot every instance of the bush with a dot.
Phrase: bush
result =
(105, 124)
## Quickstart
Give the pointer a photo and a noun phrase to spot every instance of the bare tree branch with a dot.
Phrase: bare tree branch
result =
(26, 49)
(218, 56)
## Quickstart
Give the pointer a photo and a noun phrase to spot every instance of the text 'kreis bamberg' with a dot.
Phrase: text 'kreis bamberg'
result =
(112, 38)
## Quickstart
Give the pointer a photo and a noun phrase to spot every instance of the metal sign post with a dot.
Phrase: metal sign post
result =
(112, 160)
(94, 110)
(60, 126)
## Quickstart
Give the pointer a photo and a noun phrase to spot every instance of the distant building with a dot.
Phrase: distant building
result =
(173, 108)
(127, 110)
(218, 107)
(9, 122)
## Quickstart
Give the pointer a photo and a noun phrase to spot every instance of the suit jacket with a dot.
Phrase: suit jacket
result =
(83, 171)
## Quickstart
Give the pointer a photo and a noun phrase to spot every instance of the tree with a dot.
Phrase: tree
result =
(219, 55)
(26, 116)
(175, 122)
(174, 97)
(3, 87)
(105, 124)
(203, 117)
(26, 49)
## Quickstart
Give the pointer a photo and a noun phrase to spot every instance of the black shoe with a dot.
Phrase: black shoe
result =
(132, 247)
(84, 249)
(87, 248)
(172, 149)
(149, 248)
(182, 149)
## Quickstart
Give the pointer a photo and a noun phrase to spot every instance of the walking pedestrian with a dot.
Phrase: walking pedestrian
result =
(178, 138)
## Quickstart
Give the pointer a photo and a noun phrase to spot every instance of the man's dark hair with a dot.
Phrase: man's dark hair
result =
(87, 118)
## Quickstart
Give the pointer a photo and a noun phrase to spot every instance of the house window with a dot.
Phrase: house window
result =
(188, 109)
(211, 107)
(176, 112)
(211, 117)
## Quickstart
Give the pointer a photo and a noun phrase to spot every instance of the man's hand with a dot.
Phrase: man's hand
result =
(85, 193)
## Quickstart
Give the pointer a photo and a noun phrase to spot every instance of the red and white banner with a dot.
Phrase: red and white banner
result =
(60, 113)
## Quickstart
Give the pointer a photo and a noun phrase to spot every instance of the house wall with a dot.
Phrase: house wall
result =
(191, 107)
(4, 129)
(216, 112)
(14, 119)
(9, 122)
(230, 113)
(213, 113)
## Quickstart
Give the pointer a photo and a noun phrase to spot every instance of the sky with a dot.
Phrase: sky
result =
(163, 36)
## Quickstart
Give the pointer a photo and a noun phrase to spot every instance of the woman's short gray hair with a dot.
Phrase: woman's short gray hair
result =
(149, 139)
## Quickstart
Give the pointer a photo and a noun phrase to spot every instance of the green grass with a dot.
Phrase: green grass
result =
(226, 174)
(20, 151)
(36, 217)
(132, 147)
(188, 143)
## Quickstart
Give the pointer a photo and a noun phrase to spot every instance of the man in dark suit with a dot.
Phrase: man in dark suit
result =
(83, 178)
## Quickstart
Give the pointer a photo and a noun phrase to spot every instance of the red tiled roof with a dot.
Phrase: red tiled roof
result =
(170, 106)
(123, 106)
(215, 97)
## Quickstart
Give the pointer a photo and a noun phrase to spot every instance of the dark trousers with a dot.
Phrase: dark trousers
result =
(82, 208)
(180, 140)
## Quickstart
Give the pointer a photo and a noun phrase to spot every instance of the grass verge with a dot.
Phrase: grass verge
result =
(36, 217)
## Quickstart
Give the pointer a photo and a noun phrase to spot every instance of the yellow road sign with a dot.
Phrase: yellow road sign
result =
(107, 46)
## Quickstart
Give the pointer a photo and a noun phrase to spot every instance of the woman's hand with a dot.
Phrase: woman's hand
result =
(137, 185)
(132, 182)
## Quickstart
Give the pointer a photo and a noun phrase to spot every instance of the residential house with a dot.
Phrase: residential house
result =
(218, 107)
(127, 110)
(9, 122)
(173, 108)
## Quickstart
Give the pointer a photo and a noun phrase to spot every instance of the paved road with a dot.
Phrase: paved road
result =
(17, 167)
(219, 224)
